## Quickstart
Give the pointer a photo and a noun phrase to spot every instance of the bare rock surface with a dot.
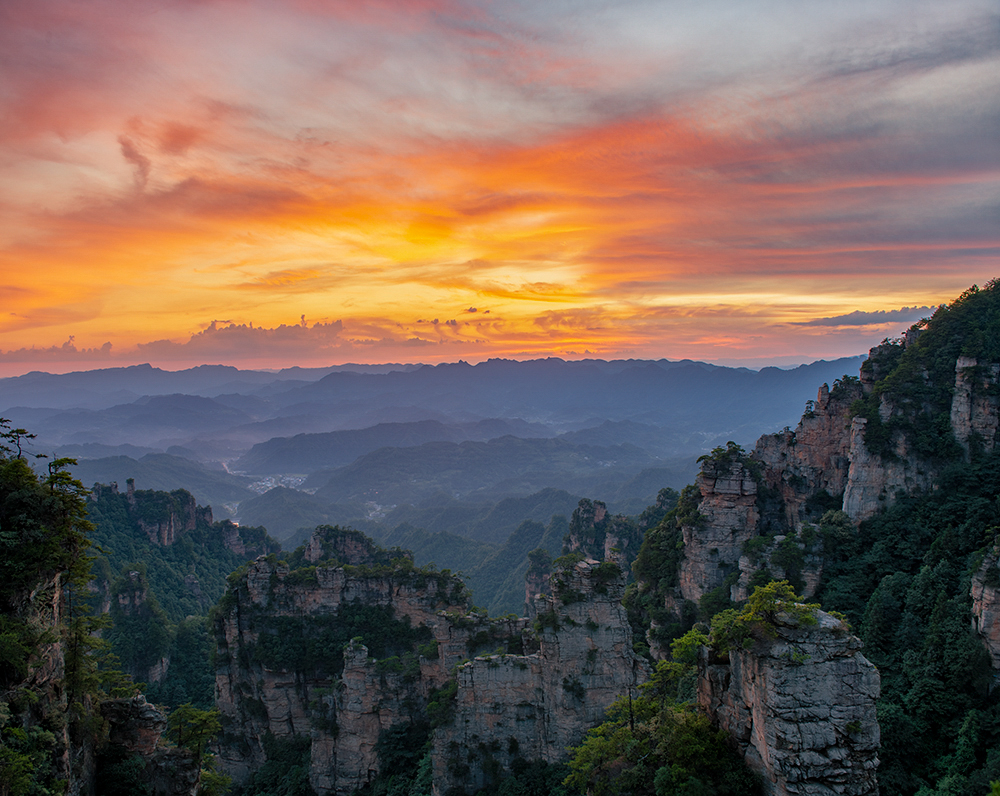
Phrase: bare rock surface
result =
(801, 707)
(537, 690)
(729, 518)
(535, 706)
(986, 603)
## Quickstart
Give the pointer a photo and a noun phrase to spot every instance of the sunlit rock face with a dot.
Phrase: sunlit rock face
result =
(801, 707)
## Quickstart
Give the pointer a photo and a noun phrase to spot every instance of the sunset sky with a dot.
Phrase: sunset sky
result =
(267, 183)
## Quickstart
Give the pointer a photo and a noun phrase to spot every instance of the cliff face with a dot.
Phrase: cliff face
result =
(162, 516)
(974, 415)
(986, 603)
(813, 459)
(792, 478)
(535, 706)
(272, 677)
(801, 707)
(729, 518)
(347, 655)
(136, 727)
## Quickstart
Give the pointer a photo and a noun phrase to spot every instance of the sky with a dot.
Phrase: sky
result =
(267, 183)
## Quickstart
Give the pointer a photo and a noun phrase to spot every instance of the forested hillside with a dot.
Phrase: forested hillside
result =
(901, 569)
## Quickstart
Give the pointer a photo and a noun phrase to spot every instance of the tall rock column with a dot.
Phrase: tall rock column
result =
(801, 707)
(974, 405)
(728, 518)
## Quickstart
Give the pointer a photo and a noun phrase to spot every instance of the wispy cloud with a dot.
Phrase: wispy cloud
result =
(575, 168)
(876, 318)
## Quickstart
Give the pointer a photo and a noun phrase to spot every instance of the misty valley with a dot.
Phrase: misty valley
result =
(509, 578)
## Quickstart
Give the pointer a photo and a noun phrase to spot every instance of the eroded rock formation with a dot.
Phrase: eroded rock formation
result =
(343, 654)
(801, 707)
(791, 479)
(535, 706)
(136, 727)
(729, 518)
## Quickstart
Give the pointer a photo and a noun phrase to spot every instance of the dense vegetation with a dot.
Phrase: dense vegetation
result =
(188, 576)
(43, 566)
(917, 379)
(903, 577)
(904, 582)
(55, 670)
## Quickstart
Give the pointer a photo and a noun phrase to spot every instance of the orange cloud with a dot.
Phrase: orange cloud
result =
(595, 186)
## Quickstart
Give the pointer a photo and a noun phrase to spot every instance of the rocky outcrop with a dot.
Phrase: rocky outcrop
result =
(792, 478)
(163, 517)
(535, 706)
(536, 579)
(345, 698)
(134, 724)
(801, 707)
(344, 654)
(594, 533)
(728, 518)
(348, 547)
(986, 603)
(974, 415)
(814, 458)
(136, 727)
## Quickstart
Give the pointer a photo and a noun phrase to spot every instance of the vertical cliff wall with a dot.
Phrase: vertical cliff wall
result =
(535, 706)
(801, 707)
(283, 670)
(792, 478)
(986, 603)
(728, 518)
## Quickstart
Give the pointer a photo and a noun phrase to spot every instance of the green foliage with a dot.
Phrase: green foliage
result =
(44, 570)
(902, 579)
(314, 644)
(534, 778)
(140, 632)
(777, 601)
(190, 677)
(120, 773)
(656, 571)
(918, 381)
(284, 773)
(191, 728)
(604, 574)
(441, 707)
(187, 576)
(651, 747)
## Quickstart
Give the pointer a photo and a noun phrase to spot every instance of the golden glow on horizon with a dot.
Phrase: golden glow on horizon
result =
(440, 181)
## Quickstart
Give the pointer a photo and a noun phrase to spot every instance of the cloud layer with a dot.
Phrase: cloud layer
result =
(735, 181)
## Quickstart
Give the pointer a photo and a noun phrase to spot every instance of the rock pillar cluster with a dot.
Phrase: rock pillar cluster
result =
(535, 706)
